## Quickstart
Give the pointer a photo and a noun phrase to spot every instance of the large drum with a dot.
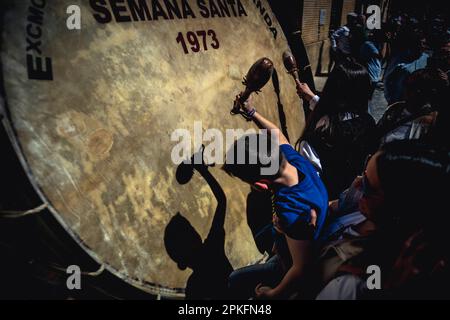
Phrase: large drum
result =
(91, 112)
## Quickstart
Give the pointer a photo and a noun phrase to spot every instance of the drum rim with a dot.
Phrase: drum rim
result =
(149, 287)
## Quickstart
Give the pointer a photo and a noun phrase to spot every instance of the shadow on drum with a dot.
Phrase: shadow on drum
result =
(259, 219)
(207, 259)
(281, 114)
(36, 250)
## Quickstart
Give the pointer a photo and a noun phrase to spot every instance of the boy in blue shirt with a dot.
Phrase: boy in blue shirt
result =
(300, 204)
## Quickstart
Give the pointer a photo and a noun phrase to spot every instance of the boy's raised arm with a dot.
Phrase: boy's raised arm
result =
(263, 123)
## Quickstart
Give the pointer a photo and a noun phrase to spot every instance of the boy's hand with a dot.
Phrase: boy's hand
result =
(313, 215)
(264, 293)
(247, 105)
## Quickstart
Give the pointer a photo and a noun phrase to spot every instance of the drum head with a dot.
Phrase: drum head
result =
(94, 110)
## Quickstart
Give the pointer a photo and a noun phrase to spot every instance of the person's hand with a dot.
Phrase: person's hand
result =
(304, 91)
(313, 214)
(333, 206)
(357, 183)
(264, 293)
(276, 223)
(410, 264)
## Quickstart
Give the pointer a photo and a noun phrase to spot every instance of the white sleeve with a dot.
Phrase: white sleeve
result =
(346, 287)
(309, 153)
(333, 38)
(313, 102)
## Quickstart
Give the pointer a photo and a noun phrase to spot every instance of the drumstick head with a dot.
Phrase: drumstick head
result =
(259, 74)
(289, 62)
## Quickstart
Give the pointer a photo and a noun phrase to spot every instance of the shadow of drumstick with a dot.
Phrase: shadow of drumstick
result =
(259, 219)
(281, 114)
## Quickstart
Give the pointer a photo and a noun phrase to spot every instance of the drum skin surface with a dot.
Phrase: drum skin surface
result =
(96, 131)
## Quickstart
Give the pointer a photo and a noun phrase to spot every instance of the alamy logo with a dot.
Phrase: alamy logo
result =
(74, 280)
(73, 22)
(219, 148)
(374, 280)
(374, 20)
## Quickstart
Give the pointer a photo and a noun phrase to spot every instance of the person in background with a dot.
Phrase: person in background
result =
(440, 59)
(425, 96)
(407, 58)
(404, 188)
(371, 55)
(337, 137)
(358, 35)
(340, 39)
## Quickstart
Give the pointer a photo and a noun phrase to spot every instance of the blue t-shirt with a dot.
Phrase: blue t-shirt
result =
(293, 204)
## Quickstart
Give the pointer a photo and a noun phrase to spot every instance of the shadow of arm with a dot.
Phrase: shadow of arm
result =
(219, 194)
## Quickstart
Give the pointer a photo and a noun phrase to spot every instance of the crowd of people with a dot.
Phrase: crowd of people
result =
(354, 193)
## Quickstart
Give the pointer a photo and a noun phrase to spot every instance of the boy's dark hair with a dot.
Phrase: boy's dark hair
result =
(243, 159)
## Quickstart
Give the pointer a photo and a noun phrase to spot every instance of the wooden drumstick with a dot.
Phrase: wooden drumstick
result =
(291, 65)
(257, 77)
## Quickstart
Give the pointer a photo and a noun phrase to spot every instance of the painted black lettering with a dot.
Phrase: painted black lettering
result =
(36, 16)
(224, 10)
(187, 10)
(117, 7)
(102, 14)
(36, 34)
(39, 4)
(158, 11)
(241, 9)
(34, 46)
(214, 9)
(173, 9)
(204, 12)
(36, 69)
(139, 11)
